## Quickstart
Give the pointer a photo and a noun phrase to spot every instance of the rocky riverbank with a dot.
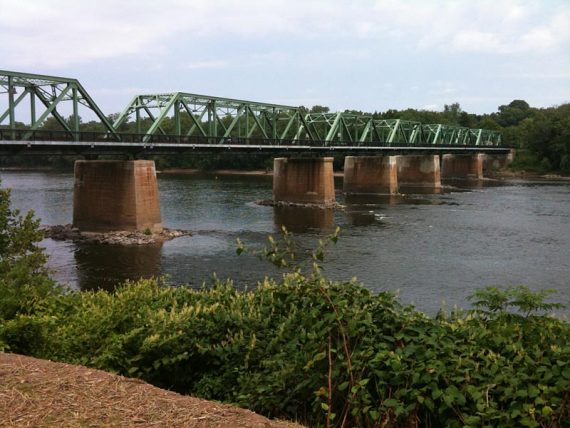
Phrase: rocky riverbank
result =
(69, 233)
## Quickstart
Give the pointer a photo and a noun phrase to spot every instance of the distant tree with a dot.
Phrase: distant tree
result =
(513, 113)
(452, 112)
(319, 109)
(487, 122)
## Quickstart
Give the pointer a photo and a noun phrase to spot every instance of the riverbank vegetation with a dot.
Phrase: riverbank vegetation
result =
(303, 347)
(541, 135)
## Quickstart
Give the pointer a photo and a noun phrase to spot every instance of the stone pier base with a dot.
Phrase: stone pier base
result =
(116, 195)
(303, 180)
(370, 174)
(462, 166)
(419, 171)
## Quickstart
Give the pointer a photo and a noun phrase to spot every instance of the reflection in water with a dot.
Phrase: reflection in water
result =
(303, 219)
(420, 190)
(362, 218)
(374, 199)
(103, 266)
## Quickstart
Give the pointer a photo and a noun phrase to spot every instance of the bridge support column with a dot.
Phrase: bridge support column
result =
(419, 171)
(462, 166)
(303, 180)
(370, 174)
(116, 195)
(495, 163)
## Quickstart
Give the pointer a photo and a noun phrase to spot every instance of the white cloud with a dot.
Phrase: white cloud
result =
(62, 32)
(508, 26)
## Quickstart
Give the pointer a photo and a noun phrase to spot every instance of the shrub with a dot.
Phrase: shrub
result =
(24, 281)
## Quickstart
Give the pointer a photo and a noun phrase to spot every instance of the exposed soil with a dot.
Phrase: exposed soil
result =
(40, 393)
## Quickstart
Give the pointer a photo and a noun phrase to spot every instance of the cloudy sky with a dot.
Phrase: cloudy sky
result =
(360, 54)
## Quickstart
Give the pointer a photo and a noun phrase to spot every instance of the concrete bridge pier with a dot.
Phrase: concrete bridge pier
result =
(370, 174)
(495, 163)
(419, 171)
(116, 195)
(462, 166)
(303, 180)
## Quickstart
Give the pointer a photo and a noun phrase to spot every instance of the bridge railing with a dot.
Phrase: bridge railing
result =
(55, 136)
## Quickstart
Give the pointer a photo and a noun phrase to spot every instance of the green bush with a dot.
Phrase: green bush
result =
(24, 281)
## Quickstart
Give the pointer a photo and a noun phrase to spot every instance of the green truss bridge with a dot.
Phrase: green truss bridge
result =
(179, 121)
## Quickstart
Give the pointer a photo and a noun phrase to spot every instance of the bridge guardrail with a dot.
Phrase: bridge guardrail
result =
(158, 139)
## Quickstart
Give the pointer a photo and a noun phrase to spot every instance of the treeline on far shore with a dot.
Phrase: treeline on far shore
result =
(541, 135)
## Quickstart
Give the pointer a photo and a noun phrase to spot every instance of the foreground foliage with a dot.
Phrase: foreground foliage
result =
(305, 348)
(24, 280)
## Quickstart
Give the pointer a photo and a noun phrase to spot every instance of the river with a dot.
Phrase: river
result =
(433, 249)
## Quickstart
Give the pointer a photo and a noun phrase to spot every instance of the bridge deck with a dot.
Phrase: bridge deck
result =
(37, 147)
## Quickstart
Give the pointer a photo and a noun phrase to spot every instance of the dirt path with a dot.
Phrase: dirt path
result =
(42, 393)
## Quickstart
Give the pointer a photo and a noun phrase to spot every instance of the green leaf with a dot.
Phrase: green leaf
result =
(391, 402)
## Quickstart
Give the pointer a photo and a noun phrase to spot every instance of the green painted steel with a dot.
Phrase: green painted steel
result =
(221, 120)
(218, 119)
(52, 92)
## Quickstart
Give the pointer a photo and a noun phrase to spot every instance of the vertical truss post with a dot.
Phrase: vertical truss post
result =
(212, 128)
(274, 123)
(138, 118)
(32, 107)
(177, 124)
(11, 106)
(75, 117)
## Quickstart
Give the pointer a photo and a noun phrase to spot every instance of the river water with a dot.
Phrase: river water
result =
(433, 249)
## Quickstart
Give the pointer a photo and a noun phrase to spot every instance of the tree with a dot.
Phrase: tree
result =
(452, 112)
(24, 279)
(513, 113)
(319, 109)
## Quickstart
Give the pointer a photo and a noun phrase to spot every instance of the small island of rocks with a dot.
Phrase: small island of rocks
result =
(136, 237)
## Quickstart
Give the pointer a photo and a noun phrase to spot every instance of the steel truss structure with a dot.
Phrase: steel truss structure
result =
(212, 118)
(50, 92)
(184, 117)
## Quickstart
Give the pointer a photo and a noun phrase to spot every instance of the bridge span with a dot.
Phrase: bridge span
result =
(381, 155)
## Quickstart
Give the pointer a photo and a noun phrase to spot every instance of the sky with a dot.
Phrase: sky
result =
(369, 55)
